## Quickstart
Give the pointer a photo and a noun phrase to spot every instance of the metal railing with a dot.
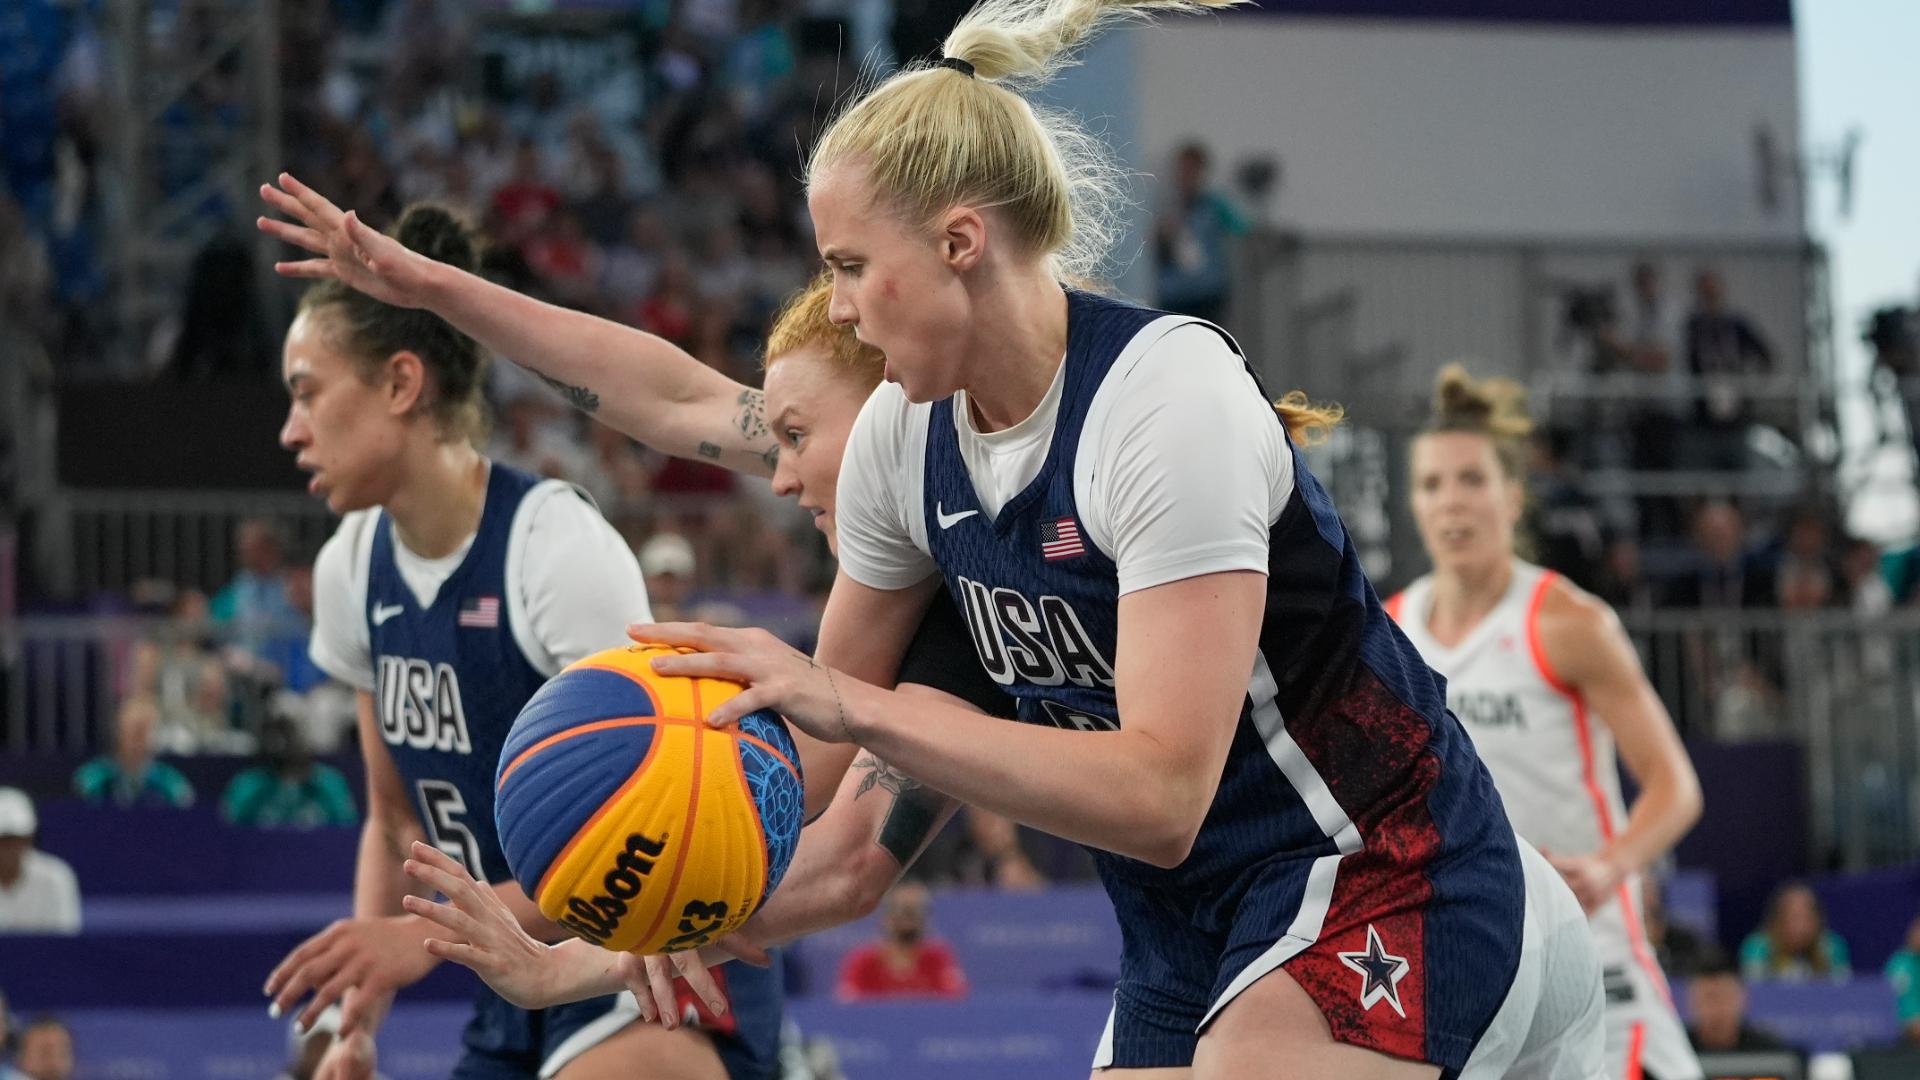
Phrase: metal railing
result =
(1843, 686)
(106, 541)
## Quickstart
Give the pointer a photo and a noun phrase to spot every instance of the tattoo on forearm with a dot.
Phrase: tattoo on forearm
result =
(577, 396)
(753, 415)
(910, 820)
(710, 451)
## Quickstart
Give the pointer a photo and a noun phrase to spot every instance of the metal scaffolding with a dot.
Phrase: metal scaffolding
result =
(193, 92)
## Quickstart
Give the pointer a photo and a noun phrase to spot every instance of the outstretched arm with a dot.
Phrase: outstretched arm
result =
(639, 383)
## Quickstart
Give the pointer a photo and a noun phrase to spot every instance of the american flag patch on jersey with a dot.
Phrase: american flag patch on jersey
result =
(1061, 540)
(480, 611)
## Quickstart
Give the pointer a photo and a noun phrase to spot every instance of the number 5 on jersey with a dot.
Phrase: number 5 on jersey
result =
(443, 808)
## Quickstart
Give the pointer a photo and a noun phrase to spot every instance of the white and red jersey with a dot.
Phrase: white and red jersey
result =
(1557, 770)
(1553, 762)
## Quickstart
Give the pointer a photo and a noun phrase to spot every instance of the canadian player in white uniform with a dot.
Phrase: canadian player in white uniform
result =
(1547, 682)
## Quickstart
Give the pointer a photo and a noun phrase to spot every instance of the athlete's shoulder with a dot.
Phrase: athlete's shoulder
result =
(343, 558)
(1563, 606)
(1573, 630)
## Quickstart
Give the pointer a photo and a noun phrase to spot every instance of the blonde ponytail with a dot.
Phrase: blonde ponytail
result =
(933, 136)
(1027, 42)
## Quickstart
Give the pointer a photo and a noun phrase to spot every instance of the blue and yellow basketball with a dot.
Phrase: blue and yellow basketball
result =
(630, 821)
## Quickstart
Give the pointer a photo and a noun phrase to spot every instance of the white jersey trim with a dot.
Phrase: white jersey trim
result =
(1334, 823)
(624, 1010)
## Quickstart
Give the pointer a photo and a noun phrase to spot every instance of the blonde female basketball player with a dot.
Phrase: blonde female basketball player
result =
(1544, 678)
(1314, 872)
(452, 590)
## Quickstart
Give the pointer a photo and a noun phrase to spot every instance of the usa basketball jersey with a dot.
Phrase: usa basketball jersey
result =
(450, 679)
(543, 581)
(1557, 771)
(1352, 824)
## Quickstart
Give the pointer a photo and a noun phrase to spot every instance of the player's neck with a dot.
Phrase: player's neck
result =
(1464, 595)
(1015, 351)
(437, 505)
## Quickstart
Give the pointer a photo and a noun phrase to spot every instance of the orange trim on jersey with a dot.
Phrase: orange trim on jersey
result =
(1539, 650)
(1636, 1042)
(686, 830)
(1637, 943)
(1582, 731)
(1394, 604)
(1590, 779)
(579, 834)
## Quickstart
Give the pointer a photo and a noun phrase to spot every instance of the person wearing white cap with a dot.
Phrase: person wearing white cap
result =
(38, 893)
(667, 562)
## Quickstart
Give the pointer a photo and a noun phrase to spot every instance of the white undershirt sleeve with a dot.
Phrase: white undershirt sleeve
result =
(877, 506)
(341, 645)
(573, 580)
(1190, 467)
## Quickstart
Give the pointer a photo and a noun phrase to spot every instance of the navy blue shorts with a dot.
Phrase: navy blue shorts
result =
(505, 1042)
(1409, 963)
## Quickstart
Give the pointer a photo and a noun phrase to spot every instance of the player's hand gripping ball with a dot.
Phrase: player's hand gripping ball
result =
(630, 821)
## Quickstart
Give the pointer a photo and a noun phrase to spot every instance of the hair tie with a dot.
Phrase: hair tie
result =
(957, 64)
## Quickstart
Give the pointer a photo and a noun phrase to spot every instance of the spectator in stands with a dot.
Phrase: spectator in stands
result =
(905, 962)
(1681, 952)
(46, 1050)
(1650, 328)
(287, 788)
(1866, 590)
(1622, 579)
(1561, 518)
(296, 670)
(1805, 576)
(531, 437)
(1795, 943)
(1903, 972)
(1722, 346)
(1193, 240)
(1718, 1005)
(130, 776)
(1647, 342)
(667, 563)
(38, 893)
(253, 611)
(1720, 573)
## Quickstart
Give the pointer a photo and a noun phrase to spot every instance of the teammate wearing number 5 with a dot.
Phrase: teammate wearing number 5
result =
(454, 588)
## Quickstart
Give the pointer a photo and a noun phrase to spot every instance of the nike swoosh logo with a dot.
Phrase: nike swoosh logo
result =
(948, 521)
(383, 612)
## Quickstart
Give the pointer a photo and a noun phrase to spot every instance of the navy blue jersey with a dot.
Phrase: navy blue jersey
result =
(1346, 776)
(450, 679)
